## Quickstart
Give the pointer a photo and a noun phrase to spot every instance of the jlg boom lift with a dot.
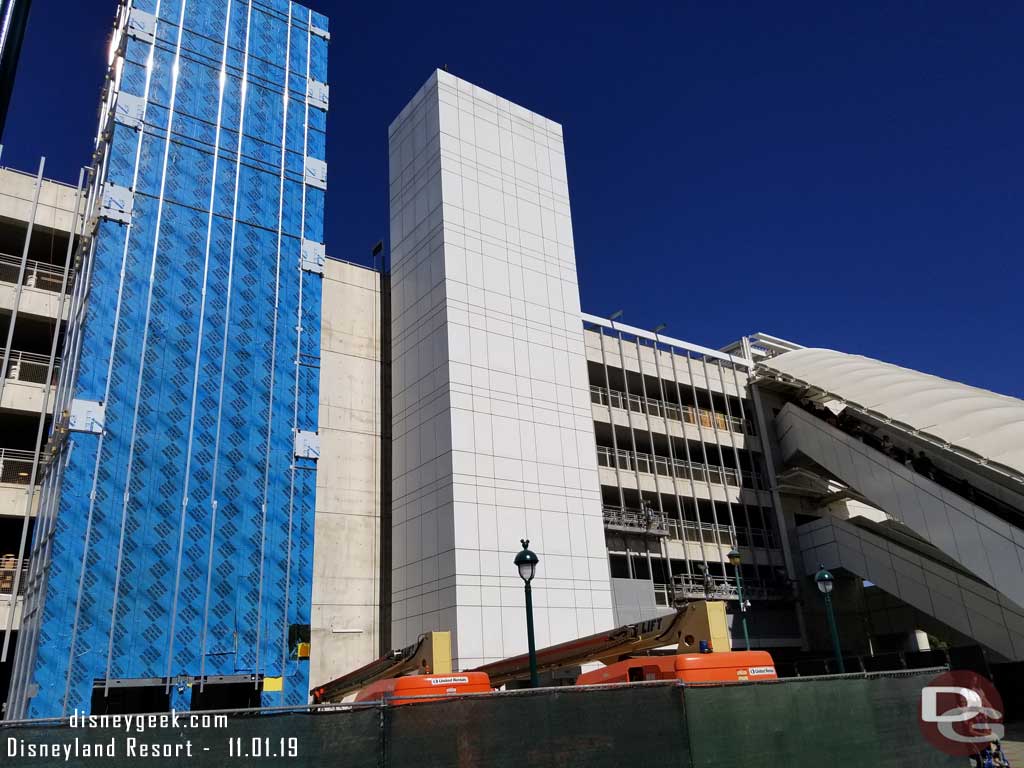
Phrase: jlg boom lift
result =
(696, 630)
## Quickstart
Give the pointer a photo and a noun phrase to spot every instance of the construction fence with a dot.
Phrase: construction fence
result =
(865, 720)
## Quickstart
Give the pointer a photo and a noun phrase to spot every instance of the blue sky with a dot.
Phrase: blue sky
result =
(842, 175)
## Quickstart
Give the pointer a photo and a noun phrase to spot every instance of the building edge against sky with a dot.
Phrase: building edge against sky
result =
(691, 460)
(634, 461)
(492, 432)
(175, 534)
(13, 19)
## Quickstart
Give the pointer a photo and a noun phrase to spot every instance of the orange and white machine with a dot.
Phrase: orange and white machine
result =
(727, 667)
(413, 689)
(696, 625)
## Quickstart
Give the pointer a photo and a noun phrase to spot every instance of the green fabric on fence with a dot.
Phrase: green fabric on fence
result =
(853, 722)
(566, 727)
(842, 723)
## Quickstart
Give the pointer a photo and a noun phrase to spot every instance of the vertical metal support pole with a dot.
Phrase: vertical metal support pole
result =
(749, 431)
(835, 633)
(24, 655)
(187, 477)
(273, 350)
(298, 353)
(743, 605)
(662, 548)
(689, 463)
(721, 455)
(21, 277)
(531, 644)
(41, 426)
(629, 420)
(615, 448)
(739, 466)
(65, 390)
(386, 461)
(672, 467)
(707, 467)
(632, 442)
(118, 573)
(780, 518)
(214, 503)
(611, 420)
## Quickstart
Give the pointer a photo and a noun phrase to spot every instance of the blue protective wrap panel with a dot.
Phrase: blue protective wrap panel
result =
(183, 532)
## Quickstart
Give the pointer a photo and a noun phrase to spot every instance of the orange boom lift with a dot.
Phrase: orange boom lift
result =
(699, 626)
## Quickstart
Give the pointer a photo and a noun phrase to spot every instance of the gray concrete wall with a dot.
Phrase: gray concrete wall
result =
(56, 201)
(346, 556)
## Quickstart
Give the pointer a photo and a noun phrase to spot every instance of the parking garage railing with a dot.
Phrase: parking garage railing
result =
(637, 521)
(718, 588)
(757, 537)
(38, 274)
(651, 464)
(31, 368)
(632, 520)
(704, 533)
(661, 409)
(15, 466)
(8, 572)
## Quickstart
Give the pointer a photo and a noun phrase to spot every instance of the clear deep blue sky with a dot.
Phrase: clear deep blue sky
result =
(848, 177)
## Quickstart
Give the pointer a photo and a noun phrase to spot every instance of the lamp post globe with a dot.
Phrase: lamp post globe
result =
(734, 556)
(526, 562)
(824, 580)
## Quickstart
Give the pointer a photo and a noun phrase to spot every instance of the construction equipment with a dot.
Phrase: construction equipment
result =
(685, 629)
(430, 654)
(414, 689)
(728, 667)
(697, 622)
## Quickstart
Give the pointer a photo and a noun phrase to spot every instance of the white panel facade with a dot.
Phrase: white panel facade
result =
(965, 604)
(492, 426)
(982, 543)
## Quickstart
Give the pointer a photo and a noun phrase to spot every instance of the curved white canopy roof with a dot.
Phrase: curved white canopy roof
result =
(986, 424)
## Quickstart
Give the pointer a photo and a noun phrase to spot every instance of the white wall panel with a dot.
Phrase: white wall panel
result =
(482, 254)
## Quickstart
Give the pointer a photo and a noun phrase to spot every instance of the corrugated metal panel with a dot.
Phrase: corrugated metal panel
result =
(183, 541)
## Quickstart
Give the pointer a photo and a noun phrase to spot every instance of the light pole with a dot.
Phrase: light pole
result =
(526, 562)
(734, 558)
(825, 583)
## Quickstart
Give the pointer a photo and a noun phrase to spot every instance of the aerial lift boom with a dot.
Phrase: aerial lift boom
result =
(431, 653)
(702, 620)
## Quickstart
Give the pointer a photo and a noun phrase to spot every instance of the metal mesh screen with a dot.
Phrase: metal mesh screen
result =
(852, 721)
(559, 727)
(839, 722)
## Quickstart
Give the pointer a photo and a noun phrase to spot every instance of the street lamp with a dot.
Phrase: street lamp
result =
(825, 583)
(526, 562)
(734, 558)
